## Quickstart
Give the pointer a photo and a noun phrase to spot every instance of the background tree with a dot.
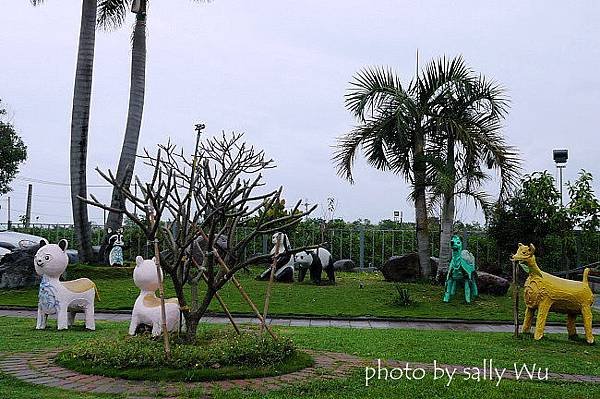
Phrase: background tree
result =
(80, 119)
(394, 125)
(584, 207)
(198, 200)
(12, 152)
(534, 215)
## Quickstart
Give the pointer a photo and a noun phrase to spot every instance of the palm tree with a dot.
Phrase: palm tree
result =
(467, 145)
(111, 15)
(80, 124)
(394, 126)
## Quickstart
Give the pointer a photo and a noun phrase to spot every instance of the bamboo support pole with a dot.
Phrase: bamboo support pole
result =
(271, 277)
(515, 287)
(244, 294)
(161, 288)
(220, 300)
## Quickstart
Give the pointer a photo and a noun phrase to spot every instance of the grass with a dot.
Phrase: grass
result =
(345, 299)
(219, 353)
(297, 361)
(469, 348)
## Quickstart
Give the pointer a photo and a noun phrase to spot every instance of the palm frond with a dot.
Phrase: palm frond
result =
(112, 13)
(373, 89)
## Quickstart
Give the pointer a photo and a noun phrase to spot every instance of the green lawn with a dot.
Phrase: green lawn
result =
(345, 299)
(554, 352)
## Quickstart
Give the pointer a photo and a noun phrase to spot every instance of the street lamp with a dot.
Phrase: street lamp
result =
(560, 159)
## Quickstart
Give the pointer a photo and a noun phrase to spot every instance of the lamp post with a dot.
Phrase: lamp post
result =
(560, 159)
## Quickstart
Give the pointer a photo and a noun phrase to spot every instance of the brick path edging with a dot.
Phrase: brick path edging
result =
(38, 367)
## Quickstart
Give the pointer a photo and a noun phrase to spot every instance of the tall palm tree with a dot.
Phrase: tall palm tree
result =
(111, 15)
(470, 143)
(80, 124)
(394, 126)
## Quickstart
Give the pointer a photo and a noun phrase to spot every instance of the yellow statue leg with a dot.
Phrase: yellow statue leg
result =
(571, 325)
(528, 318)
(542, 314)
(586, 311)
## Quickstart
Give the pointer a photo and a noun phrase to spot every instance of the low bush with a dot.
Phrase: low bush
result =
(217, 354)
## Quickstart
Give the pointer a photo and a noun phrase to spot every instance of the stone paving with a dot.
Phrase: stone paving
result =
(343, 323)
(38, 367)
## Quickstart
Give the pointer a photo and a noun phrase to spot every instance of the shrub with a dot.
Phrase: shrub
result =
(402, 298)
(214, 348)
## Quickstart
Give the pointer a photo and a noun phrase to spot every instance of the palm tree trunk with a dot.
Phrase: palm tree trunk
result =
(447, 222)
(421, 205)
(134, 119)
(79, 127)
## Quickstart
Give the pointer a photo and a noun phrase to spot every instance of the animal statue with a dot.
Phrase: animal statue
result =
(63, 298)
(284, 267)
(461, 270)
(115, 242)
(547, 293)
(315, 260)
(146, 309)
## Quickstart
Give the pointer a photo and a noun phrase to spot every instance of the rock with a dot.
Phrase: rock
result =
(199, 245)
(491, 284)
(434, 263)
(402, 268)
(343, 265)
(17, 270)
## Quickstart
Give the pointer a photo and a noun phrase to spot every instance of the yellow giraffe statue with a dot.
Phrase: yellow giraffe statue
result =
(545, 292)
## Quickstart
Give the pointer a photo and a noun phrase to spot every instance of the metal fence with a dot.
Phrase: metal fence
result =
(367, 247)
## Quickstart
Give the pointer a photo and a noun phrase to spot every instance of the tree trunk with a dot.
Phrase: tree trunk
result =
(447, 222)
(447, 225)
(134, 119)
(79, 127)
(419, 166)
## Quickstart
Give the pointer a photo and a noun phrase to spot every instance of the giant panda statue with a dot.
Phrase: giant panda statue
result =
(284, 267)
(315, 260)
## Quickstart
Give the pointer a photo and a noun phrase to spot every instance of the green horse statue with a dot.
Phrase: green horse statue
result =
(461, 270)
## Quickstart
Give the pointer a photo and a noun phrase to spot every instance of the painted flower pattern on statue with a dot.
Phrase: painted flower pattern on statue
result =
(47, 296)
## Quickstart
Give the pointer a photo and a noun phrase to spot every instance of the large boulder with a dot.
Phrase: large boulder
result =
(402, 268)
(344, 265)
(491, 284)
(17, 269)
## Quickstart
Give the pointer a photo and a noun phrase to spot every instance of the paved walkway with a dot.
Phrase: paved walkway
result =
(343, 323)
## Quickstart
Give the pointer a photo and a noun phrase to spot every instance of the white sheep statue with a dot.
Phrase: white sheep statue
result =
(147, 305)
(63, 298)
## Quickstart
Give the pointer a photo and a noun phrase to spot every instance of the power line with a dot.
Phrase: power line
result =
(55, 183)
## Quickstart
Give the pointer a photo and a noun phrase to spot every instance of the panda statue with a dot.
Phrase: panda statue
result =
(284, 266)
(116, 244)
(315, 261)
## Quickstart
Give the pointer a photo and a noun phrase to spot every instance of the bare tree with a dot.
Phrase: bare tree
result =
(201, 202)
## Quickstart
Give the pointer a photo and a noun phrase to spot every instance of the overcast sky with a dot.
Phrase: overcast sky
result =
(278, 70)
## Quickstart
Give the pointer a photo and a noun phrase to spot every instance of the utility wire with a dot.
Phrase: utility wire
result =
(55, 183)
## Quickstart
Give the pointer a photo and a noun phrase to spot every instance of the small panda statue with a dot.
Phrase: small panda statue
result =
(115, 242)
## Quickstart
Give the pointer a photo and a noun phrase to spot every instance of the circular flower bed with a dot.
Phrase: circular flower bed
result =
(217, 354)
